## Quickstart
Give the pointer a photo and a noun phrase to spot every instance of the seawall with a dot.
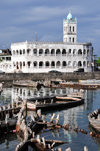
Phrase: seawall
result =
(9, 77)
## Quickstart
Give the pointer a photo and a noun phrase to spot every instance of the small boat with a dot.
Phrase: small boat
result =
(56, 103)
(94, 119)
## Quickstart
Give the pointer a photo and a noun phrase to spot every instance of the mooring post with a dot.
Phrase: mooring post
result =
(52, 117)
(43, 142)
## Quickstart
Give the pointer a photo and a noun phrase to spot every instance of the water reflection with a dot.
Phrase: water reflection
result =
(74, 116)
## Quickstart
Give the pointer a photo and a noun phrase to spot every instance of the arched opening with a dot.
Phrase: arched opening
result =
(79, 52)
(73, 29)
(74, 51)
(35, 51)
(29, 64)
(70, 28)
(17, 52)
(58, 64)
(84, 51)
(28, 51)
(20, 51)
(23, 51)
(40, 51)
(84, 63)
(35, 64)
(17, 65)
(20, 65)
(24, 64)
(40, 64)
(69, 52)
(52, 64)
(52, 52)
(64, 64)
(58, 51)
(88, 52)
(79, 64)
(69, 63)
(69, 39)
(74, 63)
(64, 51)
(47, 64)
(46, 51)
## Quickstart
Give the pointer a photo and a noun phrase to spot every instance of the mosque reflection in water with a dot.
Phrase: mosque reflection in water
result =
(74, 116)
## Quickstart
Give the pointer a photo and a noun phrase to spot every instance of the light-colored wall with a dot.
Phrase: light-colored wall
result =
(69, 57)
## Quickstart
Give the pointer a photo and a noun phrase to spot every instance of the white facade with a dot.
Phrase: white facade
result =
(66, 56)
(5, 61)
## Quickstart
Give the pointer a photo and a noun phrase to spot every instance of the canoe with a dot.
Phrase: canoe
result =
(57, 103)
(94, 119)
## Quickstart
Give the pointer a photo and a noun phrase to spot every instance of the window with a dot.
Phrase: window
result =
(64, 64)
(73, 29)
(20, 51)
(23, 51)
(29, 64)
(73, 39)
(64, 51)
(35, 51)
(46, 51)
(84, 52)
(52, 51)
(74, 64)
(28, 51)
(23, 63)
(80, 52)
(69, 39)
(69, 63)
(70, 28)
(35, 64)
(58, 63)
(79, 64)
(40, 51)
(84, 63)
(52, 64)
(58, 51)
(40, 64)
(74, 51)
(69, 51)
(47, 64)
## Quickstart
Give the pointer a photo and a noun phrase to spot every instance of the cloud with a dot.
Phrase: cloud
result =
(21, 18)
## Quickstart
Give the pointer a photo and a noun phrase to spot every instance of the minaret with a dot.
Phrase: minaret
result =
(70, 29)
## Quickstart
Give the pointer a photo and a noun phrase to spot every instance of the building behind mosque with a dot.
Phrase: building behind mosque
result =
(42, 57)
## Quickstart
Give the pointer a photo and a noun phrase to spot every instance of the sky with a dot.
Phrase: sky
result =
(21, 20)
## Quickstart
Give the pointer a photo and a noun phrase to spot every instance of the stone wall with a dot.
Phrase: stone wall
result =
(45, 76)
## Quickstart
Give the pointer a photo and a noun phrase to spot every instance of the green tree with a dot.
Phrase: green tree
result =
(98, 61)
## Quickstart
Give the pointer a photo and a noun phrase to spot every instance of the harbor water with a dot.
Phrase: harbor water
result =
(77, 116)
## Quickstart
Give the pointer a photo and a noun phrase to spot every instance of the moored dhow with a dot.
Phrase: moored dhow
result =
(57, 102)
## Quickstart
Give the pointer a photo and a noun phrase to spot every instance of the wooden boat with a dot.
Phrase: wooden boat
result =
(56, 103)
(94, 119)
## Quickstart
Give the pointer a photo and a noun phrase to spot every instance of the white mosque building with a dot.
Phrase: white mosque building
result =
(66, 56)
